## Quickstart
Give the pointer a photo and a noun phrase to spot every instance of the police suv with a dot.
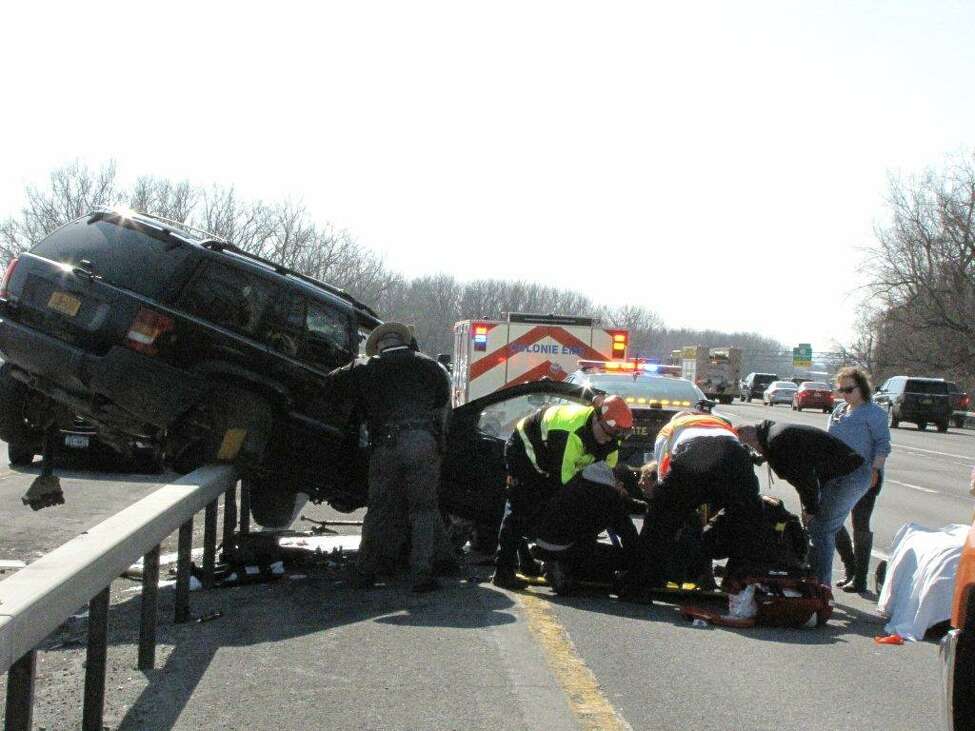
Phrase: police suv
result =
(653, 392)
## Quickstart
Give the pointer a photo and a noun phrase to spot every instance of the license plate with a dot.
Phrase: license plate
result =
(641, 431)
(64, 303)
(76, 441)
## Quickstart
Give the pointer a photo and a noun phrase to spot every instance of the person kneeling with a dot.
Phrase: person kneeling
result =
(566, 538)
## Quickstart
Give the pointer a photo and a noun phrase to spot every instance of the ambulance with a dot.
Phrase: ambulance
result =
(493, 354)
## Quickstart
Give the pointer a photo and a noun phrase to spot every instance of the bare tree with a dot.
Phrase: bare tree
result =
(74, 190)
(923, 270)
(161, 197)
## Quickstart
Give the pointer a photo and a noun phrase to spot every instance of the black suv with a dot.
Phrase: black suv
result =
(754, 384)
(918, 400)
(155, 331)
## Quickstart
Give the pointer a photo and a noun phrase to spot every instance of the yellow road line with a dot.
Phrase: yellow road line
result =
(586, 699)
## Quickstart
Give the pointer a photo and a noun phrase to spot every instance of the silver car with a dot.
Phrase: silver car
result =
(779, 392)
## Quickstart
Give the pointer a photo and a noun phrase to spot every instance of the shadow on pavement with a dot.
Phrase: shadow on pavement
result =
(267, 613)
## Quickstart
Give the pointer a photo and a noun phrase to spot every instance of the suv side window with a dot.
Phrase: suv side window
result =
(328, 336)
(227, 296)
(284, 326)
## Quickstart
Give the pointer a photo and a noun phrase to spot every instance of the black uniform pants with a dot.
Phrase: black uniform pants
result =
(713, 470)
(528, 493)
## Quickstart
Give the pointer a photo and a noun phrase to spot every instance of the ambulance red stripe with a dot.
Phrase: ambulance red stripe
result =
(562, 337)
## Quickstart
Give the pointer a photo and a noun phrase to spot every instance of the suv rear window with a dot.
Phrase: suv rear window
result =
(124, 256)
(926, 387)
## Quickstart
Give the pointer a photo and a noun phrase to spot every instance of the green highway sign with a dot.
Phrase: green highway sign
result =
(802, 356)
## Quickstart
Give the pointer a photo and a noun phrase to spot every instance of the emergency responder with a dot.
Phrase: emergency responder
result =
(544, 452)
(566, 535)
(700, 460)
(404, 396)
(804, 456)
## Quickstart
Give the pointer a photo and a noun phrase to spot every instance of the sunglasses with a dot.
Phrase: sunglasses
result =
(848, 389)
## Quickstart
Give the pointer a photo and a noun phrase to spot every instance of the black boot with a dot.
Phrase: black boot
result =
(844, 547)
(862, 545)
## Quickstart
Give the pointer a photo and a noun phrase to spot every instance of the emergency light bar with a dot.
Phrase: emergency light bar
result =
(480, 337)
(632, 365)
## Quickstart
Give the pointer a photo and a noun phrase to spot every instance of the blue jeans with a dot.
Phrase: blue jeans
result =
(837, 499)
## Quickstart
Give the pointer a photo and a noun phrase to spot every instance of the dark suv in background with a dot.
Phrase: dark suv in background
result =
(157, 332)
(754, 384)
(922, 401)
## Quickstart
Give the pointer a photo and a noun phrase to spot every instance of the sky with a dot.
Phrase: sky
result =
(723, 164)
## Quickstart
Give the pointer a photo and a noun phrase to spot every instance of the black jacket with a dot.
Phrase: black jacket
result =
(397, 386)
(806, 457)
(582, 509)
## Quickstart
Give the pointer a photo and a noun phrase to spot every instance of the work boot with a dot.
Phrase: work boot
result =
(844, 547)
(559, 577)
(424, 583)
(506, 579)
(862, 545)
(360, 580)
(447, 567)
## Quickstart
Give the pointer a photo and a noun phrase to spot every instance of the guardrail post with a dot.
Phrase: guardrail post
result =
(20, 693)
(94, 704)
(150, 594)
(245, 508)
(229, 519)
(183, 558)
(210, 543)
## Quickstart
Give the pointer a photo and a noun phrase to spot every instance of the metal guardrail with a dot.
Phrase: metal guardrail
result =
(38, 599)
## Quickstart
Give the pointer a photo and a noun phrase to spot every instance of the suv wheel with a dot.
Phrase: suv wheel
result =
(942, 426)
(922, 425)
(959, 422)
(14, 429)
(892, 421)
(271, 506)
(20, 455)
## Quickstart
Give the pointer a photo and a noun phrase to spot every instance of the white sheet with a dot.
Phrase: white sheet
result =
(920, 579)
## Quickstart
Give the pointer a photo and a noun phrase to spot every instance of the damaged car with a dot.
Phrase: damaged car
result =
(155, 331)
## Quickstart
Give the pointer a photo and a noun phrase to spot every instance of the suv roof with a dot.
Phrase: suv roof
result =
(182, 233)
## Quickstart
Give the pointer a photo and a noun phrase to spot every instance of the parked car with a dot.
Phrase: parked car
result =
(922, 401)
(149, 328)
(960, 403)
(779, 392)
(958, 646)
(813, 395)
(652, 398)
(754, 384)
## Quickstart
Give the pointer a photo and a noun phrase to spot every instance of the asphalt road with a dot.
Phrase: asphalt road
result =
(306, 651)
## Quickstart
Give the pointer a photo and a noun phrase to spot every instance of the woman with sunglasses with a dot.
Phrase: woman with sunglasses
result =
(862, 425)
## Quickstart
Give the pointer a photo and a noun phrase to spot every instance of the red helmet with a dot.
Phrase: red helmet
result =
(614, 414)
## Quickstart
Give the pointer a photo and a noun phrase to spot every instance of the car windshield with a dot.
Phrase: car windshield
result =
(500, 419)
(783, 384)
(643, 389)
(815, 386)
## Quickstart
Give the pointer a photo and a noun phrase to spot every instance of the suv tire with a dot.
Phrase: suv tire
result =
(13, 428)
(20, 455)
(922, 426)
(271, 507)
(892, 421)
(959, 422)
(942, 426)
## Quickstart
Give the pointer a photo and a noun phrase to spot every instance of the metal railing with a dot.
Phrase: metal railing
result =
(38, 599)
